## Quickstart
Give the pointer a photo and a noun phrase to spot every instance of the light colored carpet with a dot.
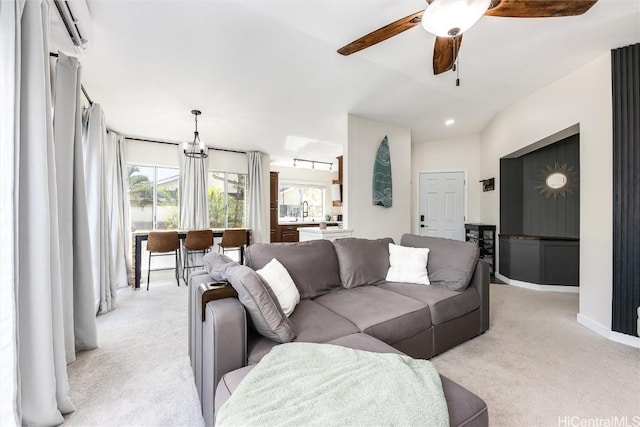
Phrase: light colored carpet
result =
(535, 367)
(140, 375)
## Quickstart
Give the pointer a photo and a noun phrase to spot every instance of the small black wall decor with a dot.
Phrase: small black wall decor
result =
(488, 184)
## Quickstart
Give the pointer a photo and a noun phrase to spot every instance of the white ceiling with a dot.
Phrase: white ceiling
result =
(266, 75)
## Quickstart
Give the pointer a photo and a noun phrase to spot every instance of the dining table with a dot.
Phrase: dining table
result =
(140, 236)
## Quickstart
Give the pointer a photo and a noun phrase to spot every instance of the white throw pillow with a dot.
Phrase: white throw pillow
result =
(408, 265)
(281, 283)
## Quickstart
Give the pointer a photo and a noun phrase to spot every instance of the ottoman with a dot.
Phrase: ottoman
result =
(465, 408)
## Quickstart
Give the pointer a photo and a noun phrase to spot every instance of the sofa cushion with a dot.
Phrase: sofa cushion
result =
(313, 265)
(316, 323)
(265, 313)
(362, 261)
(451, 262)
(385, 315)
(444, 304)
(312, 323)
(365, 342)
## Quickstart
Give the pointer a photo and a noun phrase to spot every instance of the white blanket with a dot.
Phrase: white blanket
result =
(322, 384)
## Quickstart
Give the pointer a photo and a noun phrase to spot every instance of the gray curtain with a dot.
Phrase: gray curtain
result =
(194, 207)
(105, 166)
(76, 263)
(44, 387)
(255, 195)
(10, 13)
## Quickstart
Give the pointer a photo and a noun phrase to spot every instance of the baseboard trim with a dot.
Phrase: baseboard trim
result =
(537, 287)
(602, 330)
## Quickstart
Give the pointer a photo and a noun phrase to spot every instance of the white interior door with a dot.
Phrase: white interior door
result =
(441, 206)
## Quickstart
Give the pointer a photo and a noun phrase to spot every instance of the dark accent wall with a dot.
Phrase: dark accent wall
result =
(524, 209)
(511, 196)
(551, 216)
(625, 71)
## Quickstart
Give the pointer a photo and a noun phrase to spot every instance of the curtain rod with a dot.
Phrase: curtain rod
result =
(177, 143)
(84, 91)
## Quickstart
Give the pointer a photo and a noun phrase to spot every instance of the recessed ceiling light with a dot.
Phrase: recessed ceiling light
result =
(449, 122)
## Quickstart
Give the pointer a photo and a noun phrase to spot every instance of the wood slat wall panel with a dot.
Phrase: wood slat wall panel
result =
(625, 70)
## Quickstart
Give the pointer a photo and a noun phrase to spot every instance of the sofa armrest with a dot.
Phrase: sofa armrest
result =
(480, 281)
(224, 347)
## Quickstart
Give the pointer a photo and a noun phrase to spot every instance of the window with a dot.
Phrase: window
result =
(301, 202)
(227, 199)
(153, 197)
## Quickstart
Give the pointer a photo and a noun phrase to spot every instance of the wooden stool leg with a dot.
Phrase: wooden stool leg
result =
(149, 271)
(177, 268)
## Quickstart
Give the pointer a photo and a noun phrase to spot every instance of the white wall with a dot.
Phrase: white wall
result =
(369, 221)
(583, 97)
(153, 153)
(450, 155)
(263, 236)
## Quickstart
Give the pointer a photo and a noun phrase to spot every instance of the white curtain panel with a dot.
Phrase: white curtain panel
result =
(118, 207)
(73, 221)
(10, 13)
(44, 387)
(105, 167)
(255, 195)
(94, 131)
(194, 206)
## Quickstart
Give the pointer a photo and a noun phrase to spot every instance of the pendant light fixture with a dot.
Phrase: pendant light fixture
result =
(196, 148)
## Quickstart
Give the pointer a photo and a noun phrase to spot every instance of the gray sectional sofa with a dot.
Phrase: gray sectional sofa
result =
(345, 300)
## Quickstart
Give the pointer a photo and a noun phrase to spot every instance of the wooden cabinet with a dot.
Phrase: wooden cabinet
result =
(289, 232)
(339, 182)
(484, 236)
(273, 207)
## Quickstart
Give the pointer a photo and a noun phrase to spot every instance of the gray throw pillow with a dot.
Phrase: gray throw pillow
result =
(216, 263)
(362, 261)
(263, 308)
(451, 262)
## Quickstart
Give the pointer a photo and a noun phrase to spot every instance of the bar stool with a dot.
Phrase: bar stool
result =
(233, 240)
(160, 243)
(196, 241)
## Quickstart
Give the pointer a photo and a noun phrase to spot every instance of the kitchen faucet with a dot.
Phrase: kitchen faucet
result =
(305, 209)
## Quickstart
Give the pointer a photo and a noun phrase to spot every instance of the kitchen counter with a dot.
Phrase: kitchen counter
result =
(311, 223)
(329, 233)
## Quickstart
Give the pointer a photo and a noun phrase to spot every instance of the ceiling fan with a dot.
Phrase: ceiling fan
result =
(449, 19)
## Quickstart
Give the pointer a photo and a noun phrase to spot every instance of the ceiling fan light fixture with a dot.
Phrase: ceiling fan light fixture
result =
(449, 18)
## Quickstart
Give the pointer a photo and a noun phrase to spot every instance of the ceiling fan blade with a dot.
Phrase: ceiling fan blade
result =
(443, 53)
(382, 34)
(539, 8)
